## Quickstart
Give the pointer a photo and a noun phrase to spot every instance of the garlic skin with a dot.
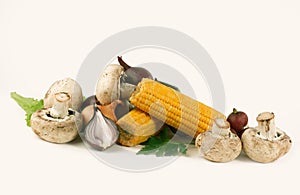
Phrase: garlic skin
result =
(219, 144)
(100, 132)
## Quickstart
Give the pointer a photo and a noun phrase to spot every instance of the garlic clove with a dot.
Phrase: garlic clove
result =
(101, 133)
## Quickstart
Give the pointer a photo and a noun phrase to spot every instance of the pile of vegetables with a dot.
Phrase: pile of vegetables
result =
(131, 108)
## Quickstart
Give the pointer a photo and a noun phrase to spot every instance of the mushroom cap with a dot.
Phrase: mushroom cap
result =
(263, 150)
(108, 85)
(56, 130)
(218, 148)
(69, 86)
(264, 116)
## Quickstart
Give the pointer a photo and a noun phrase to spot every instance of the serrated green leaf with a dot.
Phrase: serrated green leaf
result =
(151, 146)
(29, 105)
(161, 151)
(162, 146)
(154, 141)
(172, 149)
(183, 148)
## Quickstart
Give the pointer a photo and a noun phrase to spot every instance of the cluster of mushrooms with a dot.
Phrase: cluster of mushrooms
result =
(264, 143)
(60, 120)
(65, 115)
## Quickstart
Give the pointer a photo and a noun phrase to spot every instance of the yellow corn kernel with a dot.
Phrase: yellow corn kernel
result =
(127, 139)
(174, 108)
(136, 127)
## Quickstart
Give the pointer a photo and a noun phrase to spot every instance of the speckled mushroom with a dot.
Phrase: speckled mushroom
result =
(108, 86)
(219, 144)
(265, 143)
(110, 90)
(69, 86)
(58, 124)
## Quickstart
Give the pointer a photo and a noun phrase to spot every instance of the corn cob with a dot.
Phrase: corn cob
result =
(127, 139)
(174, 108)
(136, 127)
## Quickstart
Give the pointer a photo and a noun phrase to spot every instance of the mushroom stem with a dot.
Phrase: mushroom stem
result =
(60, 107)
(266, 125)
(221, 127)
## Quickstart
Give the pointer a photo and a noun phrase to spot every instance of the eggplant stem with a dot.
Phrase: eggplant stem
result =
(235, 111)
(123, 64)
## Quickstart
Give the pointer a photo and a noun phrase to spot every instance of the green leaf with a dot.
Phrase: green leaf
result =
(164, 135)
(162, 146)
(149, 149)
(171, 149)
(160, 151)
(29, 105)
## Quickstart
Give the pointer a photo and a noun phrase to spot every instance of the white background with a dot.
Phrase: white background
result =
(255, 45)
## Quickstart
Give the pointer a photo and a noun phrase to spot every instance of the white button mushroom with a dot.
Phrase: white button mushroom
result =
(58, 124)
(219, 144)
(108, 86)
(265, 143)
(59, 121)
(68, 86)
(111, 88)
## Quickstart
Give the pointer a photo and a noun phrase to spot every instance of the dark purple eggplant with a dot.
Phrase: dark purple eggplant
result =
(133, 75)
